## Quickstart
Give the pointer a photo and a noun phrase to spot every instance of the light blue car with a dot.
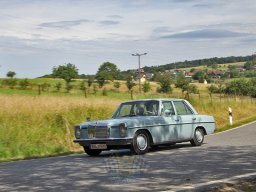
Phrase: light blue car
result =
(142, 124)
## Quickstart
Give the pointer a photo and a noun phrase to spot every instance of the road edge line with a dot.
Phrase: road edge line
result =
(216, 182)
(233, 128)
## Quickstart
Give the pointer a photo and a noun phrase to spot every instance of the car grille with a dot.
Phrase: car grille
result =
(98, 132)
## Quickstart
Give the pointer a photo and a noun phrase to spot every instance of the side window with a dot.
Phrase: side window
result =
(125, 110)
(167, 105)
(182, 108)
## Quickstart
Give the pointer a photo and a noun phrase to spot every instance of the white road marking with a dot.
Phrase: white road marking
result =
(220, 181)
(233, 128)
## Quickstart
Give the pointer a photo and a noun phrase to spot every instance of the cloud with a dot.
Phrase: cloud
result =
(64, 24)
(109, 22)
(203, 5)
(205, 34)
(115, 16)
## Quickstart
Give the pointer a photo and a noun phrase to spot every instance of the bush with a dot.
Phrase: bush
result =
(58, 86)
(146, 87)
(24, 84)
(104, 92)
(117, 84)
(68, 87)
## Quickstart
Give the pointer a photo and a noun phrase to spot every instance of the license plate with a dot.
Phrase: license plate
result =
(98, 146)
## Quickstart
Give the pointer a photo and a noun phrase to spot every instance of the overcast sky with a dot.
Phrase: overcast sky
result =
(36, 35)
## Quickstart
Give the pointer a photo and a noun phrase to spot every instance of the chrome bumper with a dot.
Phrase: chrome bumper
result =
(108, 142)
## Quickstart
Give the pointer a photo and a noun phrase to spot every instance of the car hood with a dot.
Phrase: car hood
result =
(139, 121)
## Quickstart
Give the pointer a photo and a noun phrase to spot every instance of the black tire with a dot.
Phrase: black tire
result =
(140, 144)
(198, 138)
(92, 152)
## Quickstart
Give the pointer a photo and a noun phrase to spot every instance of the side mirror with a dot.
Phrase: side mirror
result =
(88, 118)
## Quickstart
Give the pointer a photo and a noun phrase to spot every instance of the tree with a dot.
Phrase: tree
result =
(238, 87)
(252, 90)
(212, 89)
(11, 74)
(107, 71)
(130, 84)
(182, 81)
(165, 84)
(200, 76)
(249, 65)
(146, 87)
(190, 89)
(66, 72)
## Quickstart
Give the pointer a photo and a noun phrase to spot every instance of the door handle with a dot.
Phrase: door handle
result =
(194, 118)
(177, 120)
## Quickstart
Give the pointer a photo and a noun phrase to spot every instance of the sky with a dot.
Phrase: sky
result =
(36, 35)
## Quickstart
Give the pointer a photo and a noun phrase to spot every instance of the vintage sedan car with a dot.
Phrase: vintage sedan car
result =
(142, 124)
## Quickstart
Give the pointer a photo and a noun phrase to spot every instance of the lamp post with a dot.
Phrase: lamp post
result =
(139, 55)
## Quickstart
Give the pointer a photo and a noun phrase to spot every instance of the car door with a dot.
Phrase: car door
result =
(171, 130)
(185, 119)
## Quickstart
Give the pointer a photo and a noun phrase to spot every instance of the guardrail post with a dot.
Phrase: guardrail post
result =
(230, 115)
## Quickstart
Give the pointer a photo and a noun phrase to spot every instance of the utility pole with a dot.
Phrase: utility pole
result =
(139, 55)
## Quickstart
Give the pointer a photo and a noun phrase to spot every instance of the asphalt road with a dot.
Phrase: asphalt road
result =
(174, 168)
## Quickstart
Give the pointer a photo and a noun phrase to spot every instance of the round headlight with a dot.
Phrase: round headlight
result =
(122, 130)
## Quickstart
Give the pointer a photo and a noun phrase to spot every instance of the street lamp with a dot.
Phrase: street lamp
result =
(139, 55)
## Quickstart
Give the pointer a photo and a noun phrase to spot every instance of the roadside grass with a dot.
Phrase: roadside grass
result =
(42, 126)
(36, 126)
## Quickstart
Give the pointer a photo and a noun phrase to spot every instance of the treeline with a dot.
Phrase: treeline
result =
(123, 75)
(238, 87)
(199, 62)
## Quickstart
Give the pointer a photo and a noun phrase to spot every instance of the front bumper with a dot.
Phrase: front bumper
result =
(108, 142)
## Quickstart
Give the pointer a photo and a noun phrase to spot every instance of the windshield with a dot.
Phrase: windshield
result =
(137, 108)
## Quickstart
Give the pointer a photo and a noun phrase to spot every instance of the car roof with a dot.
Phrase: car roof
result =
(161, 99)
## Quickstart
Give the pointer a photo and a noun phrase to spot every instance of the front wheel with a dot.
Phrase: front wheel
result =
(140, 144)
(198, 138)
(92, 152)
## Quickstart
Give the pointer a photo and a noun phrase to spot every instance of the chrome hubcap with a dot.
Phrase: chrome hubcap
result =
(142, 142)
(199, 136)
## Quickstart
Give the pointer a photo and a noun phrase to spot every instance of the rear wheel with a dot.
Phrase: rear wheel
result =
(140, 144)
(92, 152)
(198, 138)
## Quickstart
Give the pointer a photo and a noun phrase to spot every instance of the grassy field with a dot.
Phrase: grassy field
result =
(33, 125)
(223, 67)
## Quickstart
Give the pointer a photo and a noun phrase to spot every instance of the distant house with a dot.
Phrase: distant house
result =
(189, 74)
(141, 70)
(149, 76)
(216, 74)
(140, 77)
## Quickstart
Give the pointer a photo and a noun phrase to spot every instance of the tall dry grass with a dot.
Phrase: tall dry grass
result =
(37, 126)
(43, 125)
